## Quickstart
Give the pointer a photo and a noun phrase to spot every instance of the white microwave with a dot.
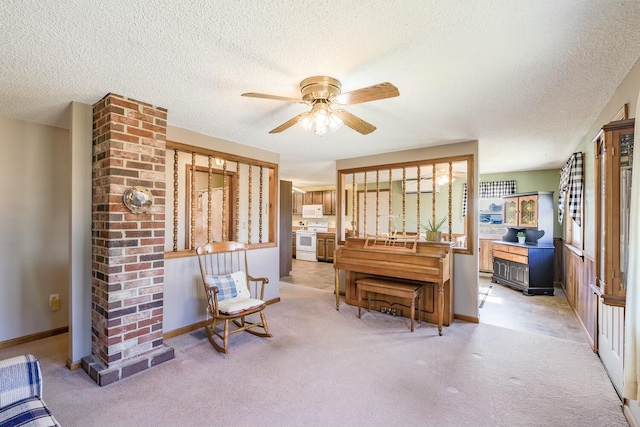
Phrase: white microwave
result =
(311, 211)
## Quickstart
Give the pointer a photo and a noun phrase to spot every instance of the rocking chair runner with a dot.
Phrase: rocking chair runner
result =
(223, 266)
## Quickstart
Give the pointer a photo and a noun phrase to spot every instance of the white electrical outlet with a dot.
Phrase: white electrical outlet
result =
(54, 302)
(53, 297)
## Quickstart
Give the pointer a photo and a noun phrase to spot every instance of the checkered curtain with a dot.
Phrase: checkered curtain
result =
(497, 189)
(571, 177)
(464, 200)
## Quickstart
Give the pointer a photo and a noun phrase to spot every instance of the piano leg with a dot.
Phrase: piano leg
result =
(441, 305)
(337, 280)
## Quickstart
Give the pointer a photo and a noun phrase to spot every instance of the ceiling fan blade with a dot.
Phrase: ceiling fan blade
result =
(286, 125)
(366, 94)
(276, 97)
(355, 122)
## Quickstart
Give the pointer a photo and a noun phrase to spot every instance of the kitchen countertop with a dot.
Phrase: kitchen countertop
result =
(491, 236)
(525, 245)
(331, 230)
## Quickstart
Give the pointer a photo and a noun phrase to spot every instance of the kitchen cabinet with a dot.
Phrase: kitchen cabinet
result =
(486, 255)
(613, 165)
(298, 199)
(326, 198)
(525, 210)
(293, 243)
(529, 212)
(313, 198)
(325, 245)
(527, 268)
(329, 202)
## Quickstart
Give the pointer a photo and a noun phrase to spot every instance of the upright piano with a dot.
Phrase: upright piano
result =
(427, 263)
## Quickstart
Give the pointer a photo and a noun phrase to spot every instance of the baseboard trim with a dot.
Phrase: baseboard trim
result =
(73, 365)
(194, 326)
(184, 330)
(77, 364)
(273, 301)
(33, 337)
(628, 414)
(465, 318)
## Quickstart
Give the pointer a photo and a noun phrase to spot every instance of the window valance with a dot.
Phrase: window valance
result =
(493, 189)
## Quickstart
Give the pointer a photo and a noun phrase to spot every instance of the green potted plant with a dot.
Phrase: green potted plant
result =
(432, 229)
(521, 235)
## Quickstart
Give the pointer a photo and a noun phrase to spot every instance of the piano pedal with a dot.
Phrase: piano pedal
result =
(391, 311)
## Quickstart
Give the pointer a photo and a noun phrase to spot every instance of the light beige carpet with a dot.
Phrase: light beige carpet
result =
(329, 368)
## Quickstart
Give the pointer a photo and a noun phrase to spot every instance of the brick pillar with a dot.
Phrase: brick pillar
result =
(129, 139)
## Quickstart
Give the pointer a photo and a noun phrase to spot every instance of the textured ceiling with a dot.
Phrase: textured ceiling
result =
(525, 78)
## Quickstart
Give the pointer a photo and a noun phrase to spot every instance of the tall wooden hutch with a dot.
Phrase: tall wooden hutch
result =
(613, 164)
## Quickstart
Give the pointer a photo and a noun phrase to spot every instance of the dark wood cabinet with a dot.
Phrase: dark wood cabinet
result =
(297, 203)
(525, 267)
(326, 198)
(329, 202)
(293, 243)
(613, 165)
(325, 246)
(329, 248)
(320, 248)
(313, 198)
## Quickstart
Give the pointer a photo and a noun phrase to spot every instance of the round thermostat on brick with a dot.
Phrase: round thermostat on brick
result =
(138, 199)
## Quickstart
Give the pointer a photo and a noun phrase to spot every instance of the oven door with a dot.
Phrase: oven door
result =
(306, 245)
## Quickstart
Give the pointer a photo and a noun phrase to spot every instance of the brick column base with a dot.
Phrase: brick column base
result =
(103, 375)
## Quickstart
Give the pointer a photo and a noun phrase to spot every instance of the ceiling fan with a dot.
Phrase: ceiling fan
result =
(323, 94)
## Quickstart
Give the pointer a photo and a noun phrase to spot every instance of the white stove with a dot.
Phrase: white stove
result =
(318, 226)
(306, 240)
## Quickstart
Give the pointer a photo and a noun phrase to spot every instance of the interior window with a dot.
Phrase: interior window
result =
(408, 199)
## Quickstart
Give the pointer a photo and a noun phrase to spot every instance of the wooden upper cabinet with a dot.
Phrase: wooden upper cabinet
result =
(613, 148)
(329, 202)
(313, 198)
(326, 198)
(297, 203)
(520, 211)
(510, 212)
(308, 198)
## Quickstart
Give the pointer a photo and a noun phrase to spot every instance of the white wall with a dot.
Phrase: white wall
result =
(34, 213)
(465, 266)
(80, 124)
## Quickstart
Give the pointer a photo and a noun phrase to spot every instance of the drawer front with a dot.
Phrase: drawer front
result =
(501, 247)
(518, 250)
(511, 249)
(522, 259)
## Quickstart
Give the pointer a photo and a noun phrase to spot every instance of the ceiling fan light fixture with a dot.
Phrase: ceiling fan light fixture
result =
(444, 179)
(322, 91)
(320, 119)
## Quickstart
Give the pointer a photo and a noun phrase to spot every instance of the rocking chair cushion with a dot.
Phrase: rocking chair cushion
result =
(225, 284)
(230, 285)
(233, 293)
(238, 305)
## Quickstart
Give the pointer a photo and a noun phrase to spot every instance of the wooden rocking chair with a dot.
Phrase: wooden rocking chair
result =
(227, 283)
